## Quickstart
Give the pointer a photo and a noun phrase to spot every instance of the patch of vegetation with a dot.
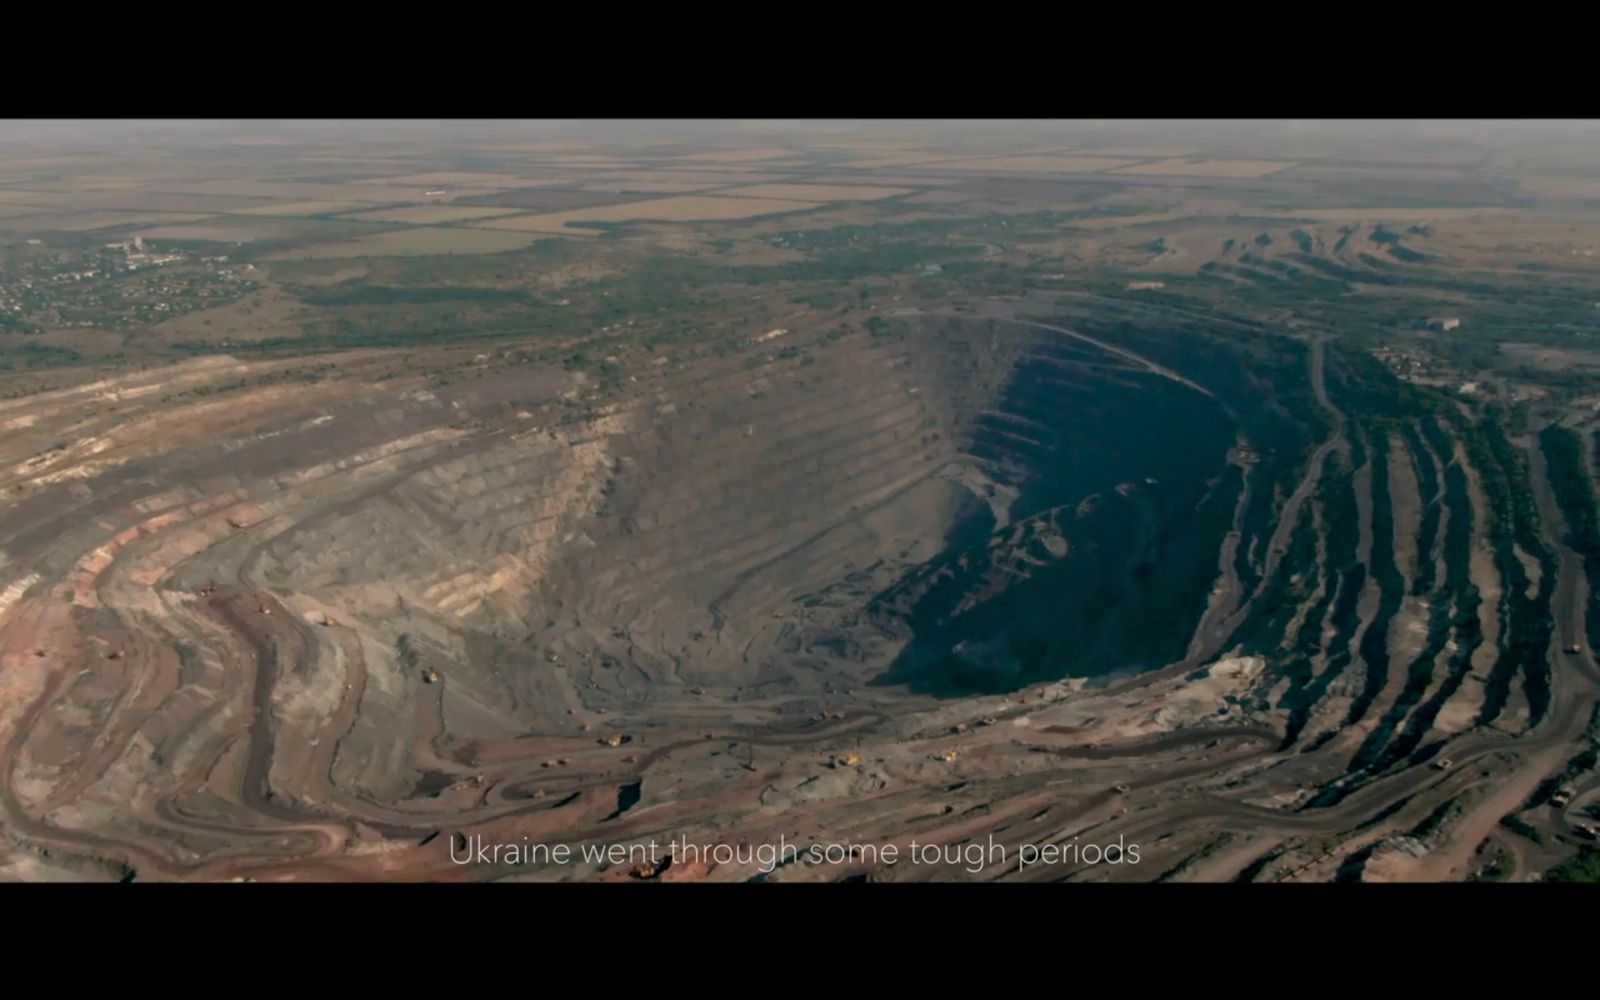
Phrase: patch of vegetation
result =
(1583, 868)
(1360, 384)
(357, 293)
(1436, 820)
(1408, 255)
(29, 356)
(405, 652)
(1495, 871)
(1522, 828)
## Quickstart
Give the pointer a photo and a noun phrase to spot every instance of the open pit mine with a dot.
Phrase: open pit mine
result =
(966, 576)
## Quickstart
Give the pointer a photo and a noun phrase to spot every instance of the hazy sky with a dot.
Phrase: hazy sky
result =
(124, 133)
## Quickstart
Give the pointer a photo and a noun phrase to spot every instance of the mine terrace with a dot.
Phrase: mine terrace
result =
(1100, 485)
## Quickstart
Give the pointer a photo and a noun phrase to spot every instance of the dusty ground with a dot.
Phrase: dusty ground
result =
(343, 627)
(353, 616)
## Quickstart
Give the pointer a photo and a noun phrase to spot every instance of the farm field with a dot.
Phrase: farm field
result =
(424, 215)
(1039, 164)
(300, 191)
(418, 242)
(302, 208)
(68, 222)
(678, 209)
(1208, 168)
(647, 186)
(738, 155)
(1142, 152)
(466, 179)
(815, 192)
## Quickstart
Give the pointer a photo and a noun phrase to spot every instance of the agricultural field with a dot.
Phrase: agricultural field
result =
(427, 215)
(815, 192)
(466, 179)
(738, 155)
(1142, 152)
(290, 208)
(344, 192)
(73, 222)
(423, 241)
(1209, 168)
(647, 186)
(677, 209)
(1042, 164)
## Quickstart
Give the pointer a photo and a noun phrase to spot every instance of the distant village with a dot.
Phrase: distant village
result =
(121, 285)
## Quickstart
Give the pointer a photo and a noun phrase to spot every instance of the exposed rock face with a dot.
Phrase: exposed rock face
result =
(313, 622)
(1213, 695)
